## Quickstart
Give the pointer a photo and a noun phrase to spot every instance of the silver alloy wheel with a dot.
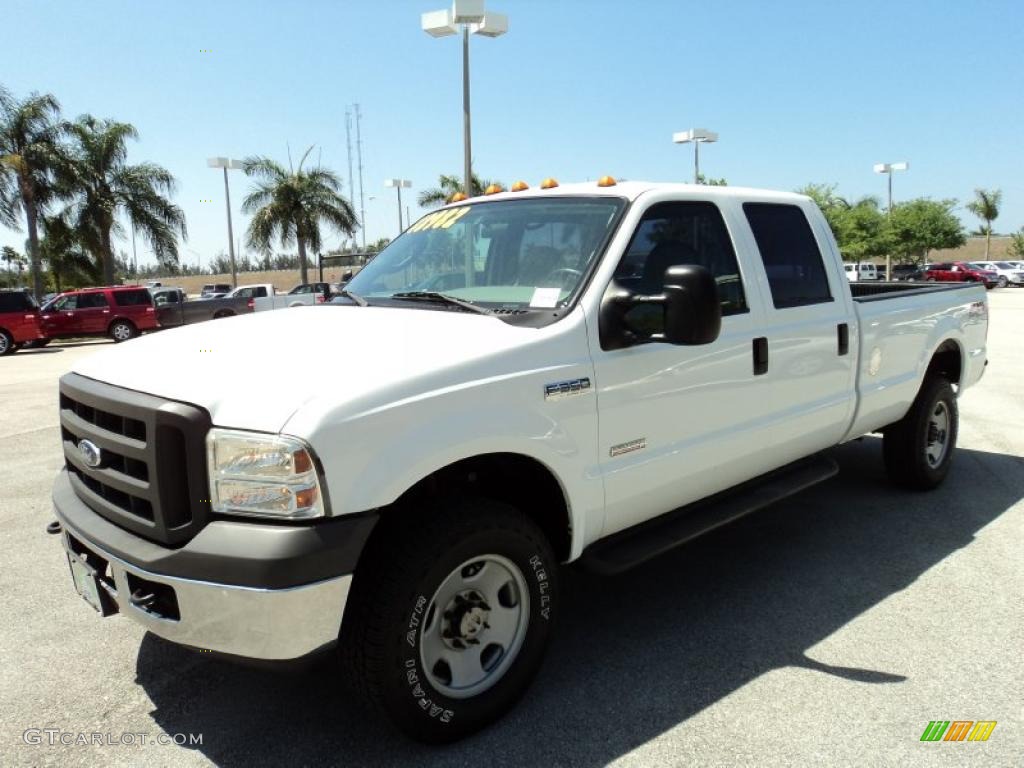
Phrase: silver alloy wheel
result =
(122, 332)
(937, 443)
(3, 343)
(475, 625)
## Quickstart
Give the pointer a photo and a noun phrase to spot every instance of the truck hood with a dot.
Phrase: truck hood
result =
(254, 371)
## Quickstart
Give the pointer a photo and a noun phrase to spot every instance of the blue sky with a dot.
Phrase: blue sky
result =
(798, 91)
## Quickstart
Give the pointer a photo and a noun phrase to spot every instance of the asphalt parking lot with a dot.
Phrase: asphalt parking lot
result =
(828, 630)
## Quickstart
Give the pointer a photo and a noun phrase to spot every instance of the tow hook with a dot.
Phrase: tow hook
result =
(54, 527)
(141, 599)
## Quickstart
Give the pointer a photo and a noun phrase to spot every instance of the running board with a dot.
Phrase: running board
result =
(633, 546)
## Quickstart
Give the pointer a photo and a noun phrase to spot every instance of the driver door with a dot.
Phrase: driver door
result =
(678, 423)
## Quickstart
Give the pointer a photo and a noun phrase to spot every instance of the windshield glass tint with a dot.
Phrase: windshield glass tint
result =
(513, 253)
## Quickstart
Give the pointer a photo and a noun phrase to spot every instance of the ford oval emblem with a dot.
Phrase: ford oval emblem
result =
(90, 453)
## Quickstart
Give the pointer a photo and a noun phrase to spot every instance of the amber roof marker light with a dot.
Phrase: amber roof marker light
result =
(494, 189)
(549, 183)
(458, 197)
(519, 186)
(606, 181)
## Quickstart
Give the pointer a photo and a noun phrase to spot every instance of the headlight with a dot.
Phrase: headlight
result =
(262, 475)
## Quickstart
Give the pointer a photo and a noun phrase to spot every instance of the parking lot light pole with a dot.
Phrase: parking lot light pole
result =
(698, 136)
(398, 184)
(470, 16)
(226, 163)
(887, 169)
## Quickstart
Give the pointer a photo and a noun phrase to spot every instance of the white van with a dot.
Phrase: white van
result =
(858, 272)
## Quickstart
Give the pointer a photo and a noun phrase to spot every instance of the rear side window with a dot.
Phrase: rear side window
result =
(92, 300)
(792, 261)
(132, 298)
(16, 301)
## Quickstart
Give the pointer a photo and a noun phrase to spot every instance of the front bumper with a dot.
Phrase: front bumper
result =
(270, 624)
(262, 591)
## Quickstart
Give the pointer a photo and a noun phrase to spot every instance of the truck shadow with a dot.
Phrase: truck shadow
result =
(637, 654)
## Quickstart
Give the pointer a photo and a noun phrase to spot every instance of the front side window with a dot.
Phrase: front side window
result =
(527, 254)
(677, 233)
(65, 303)
(794, 265)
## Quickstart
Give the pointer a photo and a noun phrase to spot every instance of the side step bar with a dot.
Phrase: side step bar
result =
(633, 546)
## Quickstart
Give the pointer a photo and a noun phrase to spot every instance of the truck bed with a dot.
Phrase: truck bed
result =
(900, 327)
(879, 291)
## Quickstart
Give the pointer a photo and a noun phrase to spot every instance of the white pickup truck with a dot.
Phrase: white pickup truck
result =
(587, 372)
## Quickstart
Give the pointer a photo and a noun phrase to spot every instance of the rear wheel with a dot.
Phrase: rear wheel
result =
(1003, 282)
(7, 346)
(122, 330)
(449, 616)
(918, 449)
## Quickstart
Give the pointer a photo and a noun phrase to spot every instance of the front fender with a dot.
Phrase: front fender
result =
(372, 458)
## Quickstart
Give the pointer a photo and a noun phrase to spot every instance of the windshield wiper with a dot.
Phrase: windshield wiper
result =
(355, 297)
(441, 298)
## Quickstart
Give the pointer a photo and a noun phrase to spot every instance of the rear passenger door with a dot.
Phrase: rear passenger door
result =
(93, 312)
(808, 332)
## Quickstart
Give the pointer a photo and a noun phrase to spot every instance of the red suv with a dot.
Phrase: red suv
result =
(19, 320)
(960, 272)
(120, 313)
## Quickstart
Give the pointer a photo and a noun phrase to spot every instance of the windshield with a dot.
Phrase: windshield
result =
(516, 254)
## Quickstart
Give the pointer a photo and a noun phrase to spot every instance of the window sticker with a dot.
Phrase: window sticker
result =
(545, 297)
(440, 219)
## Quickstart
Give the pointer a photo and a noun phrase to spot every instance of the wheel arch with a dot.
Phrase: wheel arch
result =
(520, 480)
(120, 318)
(947, 361)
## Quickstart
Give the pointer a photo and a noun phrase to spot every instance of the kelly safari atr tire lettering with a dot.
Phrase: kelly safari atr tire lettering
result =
(411, 676)
(541, 575)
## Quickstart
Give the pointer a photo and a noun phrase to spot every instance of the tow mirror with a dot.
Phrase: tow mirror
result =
(692, 310)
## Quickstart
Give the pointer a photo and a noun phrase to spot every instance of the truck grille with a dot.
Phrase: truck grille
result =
(151, 477)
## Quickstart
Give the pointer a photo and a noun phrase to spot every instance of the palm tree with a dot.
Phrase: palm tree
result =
(30, 130)
(448, 186)
(985, 206)
(64, 251)
(102, 185)
(290, 205)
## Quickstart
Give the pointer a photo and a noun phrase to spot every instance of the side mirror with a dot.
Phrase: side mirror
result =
(692, 310)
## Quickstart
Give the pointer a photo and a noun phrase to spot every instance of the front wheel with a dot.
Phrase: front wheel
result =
(1003, 282)
(918, 449)
(450, 615)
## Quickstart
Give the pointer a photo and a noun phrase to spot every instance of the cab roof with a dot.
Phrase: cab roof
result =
(631, 190)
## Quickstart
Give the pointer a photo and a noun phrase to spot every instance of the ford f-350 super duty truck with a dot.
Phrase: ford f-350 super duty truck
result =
(591, 372)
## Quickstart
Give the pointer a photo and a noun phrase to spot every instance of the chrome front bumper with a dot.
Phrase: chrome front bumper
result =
(272, 624)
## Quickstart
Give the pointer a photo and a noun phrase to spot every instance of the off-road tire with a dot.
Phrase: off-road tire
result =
(905, 444)
(409, 556)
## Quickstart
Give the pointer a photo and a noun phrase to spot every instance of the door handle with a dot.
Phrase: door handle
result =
(843, 333)
(760, 355)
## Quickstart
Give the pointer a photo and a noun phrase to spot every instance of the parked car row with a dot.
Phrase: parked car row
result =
(124, 312)
(994, 274)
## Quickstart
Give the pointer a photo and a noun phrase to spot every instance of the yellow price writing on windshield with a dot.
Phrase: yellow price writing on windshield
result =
(440, 219)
